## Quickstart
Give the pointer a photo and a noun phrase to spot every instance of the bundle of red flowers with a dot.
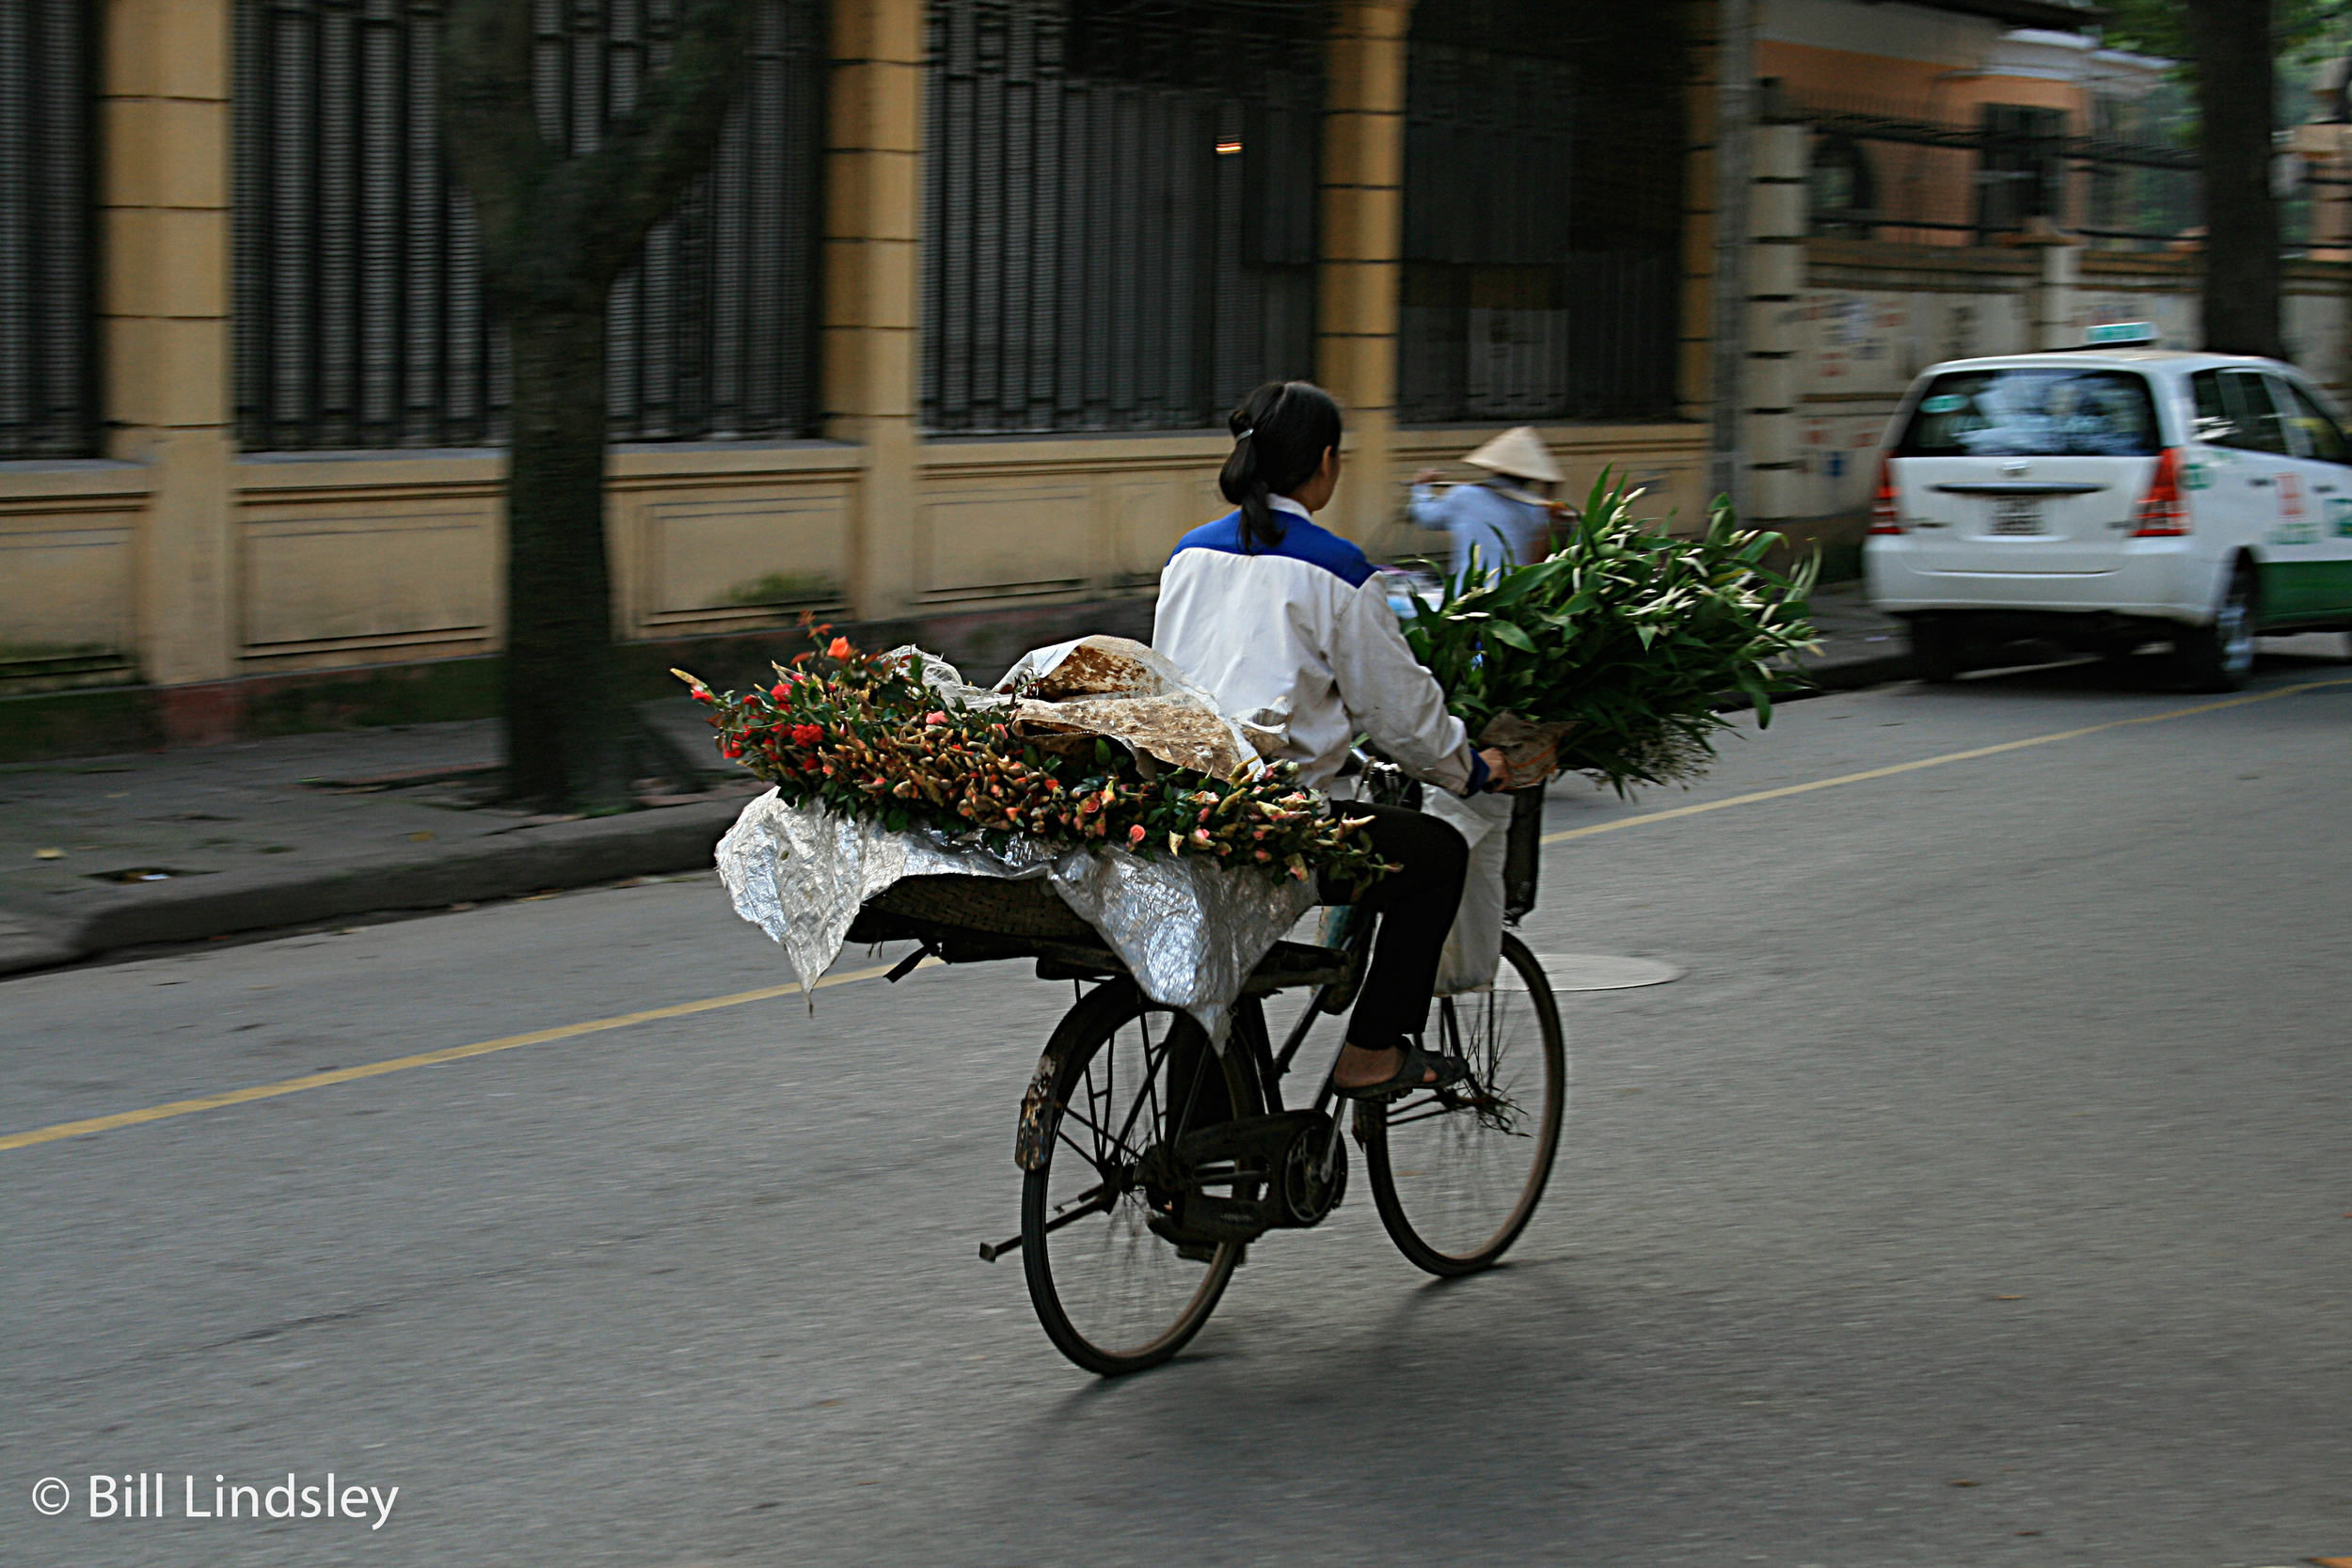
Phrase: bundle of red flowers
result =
(862, 735)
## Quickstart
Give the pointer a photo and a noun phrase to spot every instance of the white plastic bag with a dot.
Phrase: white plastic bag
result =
(1473, 948)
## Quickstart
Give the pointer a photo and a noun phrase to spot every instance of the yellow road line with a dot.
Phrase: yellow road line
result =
(401, 1064)
(1788, 790)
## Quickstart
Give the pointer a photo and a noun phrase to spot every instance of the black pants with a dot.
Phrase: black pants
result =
(1416, 907)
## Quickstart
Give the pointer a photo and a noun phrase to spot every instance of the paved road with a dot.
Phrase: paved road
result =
(1981, 1197)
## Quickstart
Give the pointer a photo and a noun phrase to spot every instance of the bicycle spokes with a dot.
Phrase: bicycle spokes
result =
(1457, 1170)
(1111, 1291)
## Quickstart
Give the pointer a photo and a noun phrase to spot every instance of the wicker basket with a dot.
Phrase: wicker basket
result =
(1024, 908)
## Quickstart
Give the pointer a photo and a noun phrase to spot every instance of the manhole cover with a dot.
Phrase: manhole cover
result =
(1604, 971)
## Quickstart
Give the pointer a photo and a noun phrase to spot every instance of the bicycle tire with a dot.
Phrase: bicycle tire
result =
(1446, 1152)
(1114, 1248)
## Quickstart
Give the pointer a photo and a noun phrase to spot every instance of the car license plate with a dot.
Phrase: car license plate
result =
(2015, 514)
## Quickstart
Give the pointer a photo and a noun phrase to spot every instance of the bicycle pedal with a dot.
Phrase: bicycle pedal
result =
(1193, 1246)
(1225, 1219)
(1206, 1253)
(1209, 1222)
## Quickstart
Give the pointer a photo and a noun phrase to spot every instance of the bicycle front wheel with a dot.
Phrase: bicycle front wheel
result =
(1128, 1077)
(1457, 1172)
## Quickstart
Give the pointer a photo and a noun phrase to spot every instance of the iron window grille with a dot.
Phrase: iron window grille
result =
(1543, 178)
(2019, 172)
(360, 315)
(48, 360)
(1925, 182)
(1119, 210)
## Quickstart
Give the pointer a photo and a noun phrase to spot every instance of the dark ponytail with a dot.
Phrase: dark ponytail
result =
(1280, 432)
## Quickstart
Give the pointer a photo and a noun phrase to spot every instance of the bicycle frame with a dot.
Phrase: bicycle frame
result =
(1355, 931)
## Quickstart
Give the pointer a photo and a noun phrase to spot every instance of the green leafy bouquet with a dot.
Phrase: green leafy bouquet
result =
(863, 736)
(1627, 637)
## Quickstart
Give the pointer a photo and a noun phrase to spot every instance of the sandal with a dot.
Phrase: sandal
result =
(1413, 1073)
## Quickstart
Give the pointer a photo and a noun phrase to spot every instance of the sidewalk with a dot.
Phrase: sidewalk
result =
(100, 853)
(1859, 646)
(104, 853)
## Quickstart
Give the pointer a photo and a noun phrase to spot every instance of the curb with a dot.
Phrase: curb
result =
(26, 945)
(559, 855)
(1852, 674)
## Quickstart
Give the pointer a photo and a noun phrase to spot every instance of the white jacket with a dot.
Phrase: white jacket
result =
(1300, 637)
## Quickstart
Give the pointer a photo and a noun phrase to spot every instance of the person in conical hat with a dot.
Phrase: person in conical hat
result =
(1505, 519)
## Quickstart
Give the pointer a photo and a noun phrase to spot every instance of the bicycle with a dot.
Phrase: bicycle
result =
(1151, 1162)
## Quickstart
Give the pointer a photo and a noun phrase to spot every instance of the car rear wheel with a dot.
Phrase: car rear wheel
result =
(2220, 656)
(1937, 649)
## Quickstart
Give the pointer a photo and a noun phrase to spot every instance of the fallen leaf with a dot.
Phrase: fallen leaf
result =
(1963, 1483)
(48, 854)
(2008, 1298)
(420, 837)
(2332, 1561)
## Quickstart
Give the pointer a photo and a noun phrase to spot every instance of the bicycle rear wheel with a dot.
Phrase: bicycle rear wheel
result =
(1457, 1172)
(1127, 1078)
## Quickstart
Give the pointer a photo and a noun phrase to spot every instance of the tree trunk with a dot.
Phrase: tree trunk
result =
(2230, 40)
(565, 717)
(557, 228)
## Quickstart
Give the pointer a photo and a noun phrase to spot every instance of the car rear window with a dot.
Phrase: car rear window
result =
(2034, 411)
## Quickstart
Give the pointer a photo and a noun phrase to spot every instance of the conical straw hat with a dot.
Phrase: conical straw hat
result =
(1519, 453)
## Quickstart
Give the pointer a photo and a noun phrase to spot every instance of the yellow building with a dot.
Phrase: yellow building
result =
(944, 341)
(947, 337)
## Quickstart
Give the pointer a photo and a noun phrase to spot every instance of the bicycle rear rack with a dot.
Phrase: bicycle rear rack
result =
(1287, 966)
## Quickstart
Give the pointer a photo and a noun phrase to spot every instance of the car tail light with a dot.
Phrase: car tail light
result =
(2164, 512)
(1884, 518)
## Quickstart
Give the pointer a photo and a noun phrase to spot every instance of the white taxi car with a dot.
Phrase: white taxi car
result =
(2110, 497)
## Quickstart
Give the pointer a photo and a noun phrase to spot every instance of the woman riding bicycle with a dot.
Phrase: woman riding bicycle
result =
(1288, 626)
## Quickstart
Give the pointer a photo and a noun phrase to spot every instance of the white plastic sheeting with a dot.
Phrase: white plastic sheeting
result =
(1190, 930)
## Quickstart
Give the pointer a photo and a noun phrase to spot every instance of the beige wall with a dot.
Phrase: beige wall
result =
(69, 551)
(196, 563)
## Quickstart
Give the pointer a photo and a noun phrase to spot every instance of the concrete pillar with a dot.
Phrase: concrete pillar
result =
(1775, 280)
(2322, 146)
(1727, 59)
(872, 288)
(2056, 304)
(1362, 229)
(164, 310)
(1702, 113)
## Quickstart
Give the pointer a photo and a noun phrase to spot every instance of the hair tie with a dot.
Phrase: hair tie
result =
(1247, 434)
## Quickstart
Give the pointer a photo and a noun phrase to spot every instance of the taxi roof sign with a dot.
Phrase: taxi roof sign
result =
(2116, 334)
